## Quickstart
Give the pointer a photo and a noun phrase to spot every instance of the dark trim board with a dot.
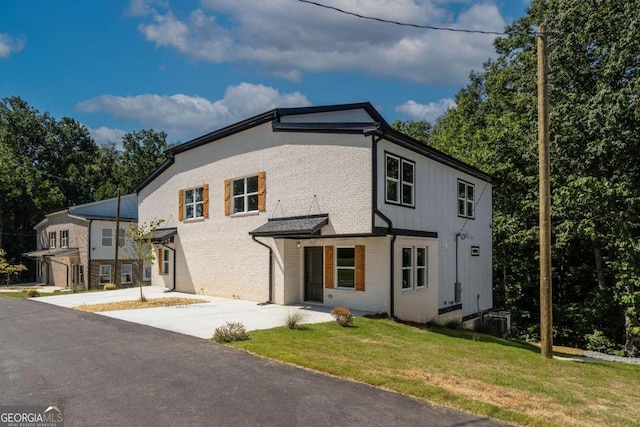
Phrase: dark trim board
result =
(405, 232)
(449, 309)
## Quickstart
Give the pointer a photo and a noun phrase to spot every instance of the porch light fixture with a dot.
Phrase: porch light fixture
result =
(298, 243)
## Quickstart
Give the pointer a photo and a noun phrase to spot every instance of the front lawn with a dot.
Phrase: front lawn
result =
(487, 376)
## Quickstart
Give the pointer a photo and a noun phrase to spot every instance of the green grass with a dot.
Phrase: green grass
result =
(14, 294)
(506, 380)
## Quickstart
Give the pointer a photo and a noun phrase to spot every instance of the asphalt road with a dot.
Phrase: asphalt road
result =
(107, 372)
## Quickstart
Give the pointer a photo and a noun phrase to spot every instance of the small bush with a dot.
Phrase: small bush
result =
(598, 341)
(343, 316)
(57, 291)
(109, 287)
(455, 324)
(293, 318)
(33, 293)
(230, 331)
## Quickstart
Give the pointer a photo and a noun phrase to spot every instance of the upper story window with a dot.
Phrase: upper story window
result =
(465, 199)
(107, 237)
(122, 237)
(400, 180)
(52, 240)
(193, 203)
(242, 195)
(64, 239)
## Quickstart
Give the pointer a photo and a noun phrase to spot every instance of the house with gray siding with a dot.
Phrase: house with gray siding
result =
(323, 205)
(75, 247)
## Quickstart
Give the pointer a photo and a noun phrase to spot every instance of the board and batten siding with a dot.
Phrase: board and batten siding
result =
(436, 210)
(305, 173)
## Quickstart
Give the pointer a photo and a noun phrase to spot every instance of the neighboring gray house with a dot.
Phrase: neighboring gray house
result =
(324, 205)
(75, 247)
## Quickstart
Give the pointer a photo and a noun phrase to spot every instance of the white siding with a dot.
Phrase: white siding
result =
(99, 252)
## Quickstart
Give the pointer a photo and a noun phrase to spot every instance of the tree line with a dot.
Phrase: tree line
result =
(48, 164)
(594, 89)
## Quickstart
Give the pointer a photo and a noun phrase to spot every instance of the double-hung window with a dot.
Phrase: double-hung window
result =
(245, 194)
(465, 199)
(52, 240)
(122, 237)
(422, 256)
(165, 261)
(414, 267)
(400, 181)
(64, 239)
(346, 267)
(107, 237)
(105, 274)
(194, 203)
(407, 268)
(126, 273)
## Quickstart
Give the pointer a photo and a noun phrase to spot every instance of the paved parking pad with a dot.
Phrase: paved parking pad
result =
(198, 320)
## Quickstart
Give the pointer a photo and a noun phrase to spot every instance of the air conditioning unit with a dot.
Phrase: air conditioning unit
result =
(501, 322)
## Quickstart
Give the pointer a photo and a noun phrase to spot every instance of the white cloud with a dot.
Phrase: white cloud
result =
(104, 135)
(9, 44)
(287, 37)
(429, 112)
(184, 117)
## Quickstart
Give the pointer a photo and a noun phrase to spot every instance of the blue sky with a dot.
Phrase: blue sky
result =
(192, 66)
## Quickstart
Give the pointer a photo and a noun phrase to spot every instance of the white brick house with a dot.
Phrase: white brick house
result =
(325, 205)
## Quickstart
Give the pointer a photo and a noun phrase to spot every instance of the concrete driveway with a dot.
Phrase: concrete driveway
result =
(198, 320)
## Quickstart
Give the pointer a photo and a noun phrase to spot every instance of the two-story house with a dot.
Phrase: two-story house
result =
(75, 247)
(325, 205)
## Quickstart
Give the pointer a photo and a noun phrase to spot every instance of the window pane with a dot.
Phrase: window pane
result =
(188, 196)
(105, 269)
(469, 209)
(422, 257)
(407, 194)
(199, 212)
(393, 166)
(189, 213)
(238, 204)
(470, 192)
(422, 277)
(392, 191)
(252, 201)
(238, 187)
(198, 194)
(460, 207)
(406, 278)
(407, 172)
(346, 278)
(406, 257)
(346, 257)
(462, 190)
(252, 184)
(106, 232)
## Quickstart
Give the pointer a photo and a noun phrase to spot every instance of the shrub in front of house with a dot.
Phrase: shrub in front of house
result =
(33, 293)
(231, 331)
(343, 316)
(293, 318)
(109, 287)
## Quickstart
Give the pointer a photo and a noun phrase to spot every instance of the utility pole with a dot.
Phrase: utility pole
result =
(116, 276)
(546, 320)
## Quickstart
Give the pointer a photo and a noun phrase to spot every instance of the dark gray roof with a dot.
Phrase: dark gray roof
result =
(51, 252)
(292, 226)
(163, 235)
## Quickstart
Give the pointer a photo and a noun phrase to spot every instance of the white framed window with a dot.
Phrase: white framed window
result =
(81, 274)
(245, 194)
(122, 237)
(126, 273)
(194, 203)
(52, 240)
(105, 274)
(422, 257)
(107, 237)
(465, 199)
(407, 268)
(146, 273)
(165, 261)
(400, 180)
(346, 267)
(64, 239)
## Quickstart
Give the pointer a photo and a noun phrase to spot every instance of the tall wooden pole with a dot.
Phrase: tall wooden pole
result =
(116, 275)
(546, 320)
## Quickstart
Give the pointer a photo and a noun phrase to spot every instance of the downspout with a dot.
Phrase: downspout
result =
(270, 301)
(390, 230)
(87, 274)
(174, 266)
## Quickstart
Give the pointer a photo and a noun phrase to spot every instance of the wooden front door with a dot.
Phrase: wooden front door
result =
(313, 273)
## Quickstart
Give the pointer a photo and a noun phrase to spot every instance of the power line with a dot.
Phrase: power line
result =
(404, 24)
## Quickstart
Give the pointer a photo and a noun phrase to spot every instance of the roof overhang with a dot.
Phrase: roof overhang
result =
(162, 236)
(51, 252)
(292, 226)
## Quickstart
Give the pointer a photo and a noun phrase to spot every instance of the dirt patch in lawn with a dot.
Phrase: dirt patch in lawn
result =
(136, 304)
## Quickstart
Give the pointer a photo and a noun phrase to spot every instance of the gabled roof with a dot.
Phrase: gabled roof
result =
(102, 209)
(279, 119)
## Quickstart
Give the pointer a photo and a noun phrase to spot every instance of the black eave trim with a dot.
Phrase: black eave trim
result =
(449, 309)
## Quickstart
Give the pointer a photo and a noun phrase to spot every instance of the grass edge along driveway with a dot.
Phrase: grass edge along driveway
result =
(505, 380)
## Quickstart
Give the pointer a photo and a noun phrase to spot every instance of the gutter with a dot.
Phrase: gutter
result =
(174, 266)
(270, 301)
(390, 230)
(88, 272)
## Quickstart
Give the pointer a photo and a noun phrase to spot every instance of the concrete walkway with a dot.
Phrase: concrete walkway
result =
(198, 320)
